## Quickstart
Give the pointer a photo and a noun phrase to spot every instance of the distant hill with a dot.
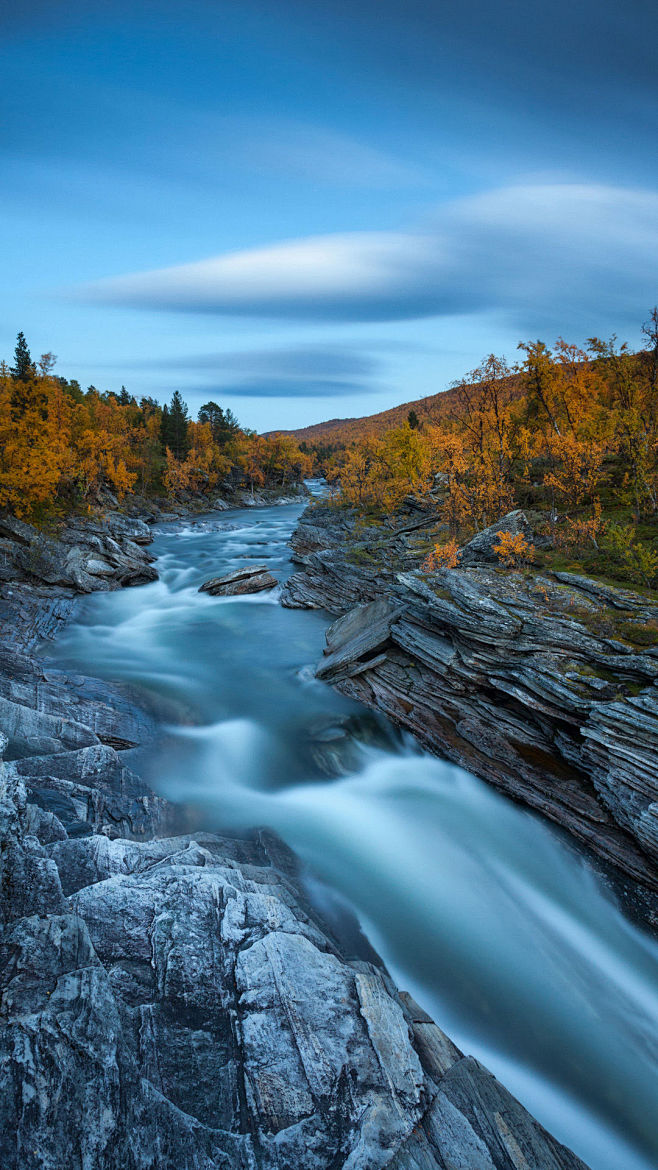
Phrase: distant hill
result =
(343, 431)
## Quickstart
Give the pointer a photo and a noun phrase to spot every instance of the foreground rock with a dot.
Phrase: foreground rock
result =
(534, 682)
(250, 579)
(177, 1003)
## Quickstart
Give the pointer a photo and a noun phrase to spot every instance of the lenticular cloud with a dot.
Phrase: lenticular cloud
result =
(515, 249)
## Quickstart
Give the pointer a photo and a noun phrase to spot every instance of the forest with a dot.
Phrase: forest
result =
(568, 434)
(61, 447)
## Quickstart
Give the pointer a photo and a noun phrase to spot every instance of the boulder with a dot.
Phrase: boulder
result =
(85, 556)
(250, 579)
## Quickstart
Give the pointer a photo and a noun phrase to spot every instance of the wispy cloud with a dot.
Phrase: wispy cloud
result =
(313, 371)
(303, 150)
(537, 253)
(307, 361)
(273, 387)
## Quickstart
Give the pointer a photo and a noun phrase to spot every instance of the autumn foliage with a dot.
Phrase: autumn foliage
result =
(512, 549)
(569, 433)
(442, 556)
(61, 447)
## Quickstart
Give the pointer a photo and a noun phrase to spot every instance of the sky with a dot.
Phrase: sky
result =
(310, 210)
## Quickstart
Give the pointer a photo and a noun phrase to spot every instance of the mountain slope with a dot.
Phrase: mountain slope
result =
(342, 431)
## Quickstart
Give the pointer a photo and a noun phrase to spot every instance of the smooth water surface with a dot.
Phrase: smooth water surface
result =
(479, 908)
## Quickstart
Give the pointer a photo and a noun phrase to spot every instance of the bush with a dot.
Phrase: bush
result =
(442, 556)
(512, 549)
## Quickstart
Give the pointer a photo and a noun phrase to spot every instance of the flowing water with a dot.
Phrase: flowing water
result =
(487, 915)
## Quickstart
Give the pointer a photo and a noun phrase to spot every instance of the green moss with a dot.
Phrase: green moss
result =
(639, 633)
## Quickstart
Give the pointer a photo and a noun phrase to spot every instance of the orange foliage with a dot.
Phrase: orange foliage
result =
(512, 549)
(60, 447)
(442, 556)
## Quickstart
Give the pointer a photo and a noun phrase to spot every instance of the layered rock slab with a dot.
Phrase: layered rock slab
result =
(250, 579)
(527, 680)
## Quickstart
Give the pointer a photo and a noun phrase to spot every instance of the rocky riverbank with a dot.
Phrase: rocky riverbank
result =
(173, 999)
(536, 682)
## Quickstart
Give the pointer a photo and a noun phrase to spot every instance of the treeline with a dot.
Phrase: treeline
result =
(60, 446)
(569, 433)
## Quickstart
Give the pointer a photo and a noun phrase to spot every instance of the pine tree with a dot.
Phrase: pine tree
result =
(213, 415)
(173, 430)
(412, 419)
(223, 423)
(23, 369)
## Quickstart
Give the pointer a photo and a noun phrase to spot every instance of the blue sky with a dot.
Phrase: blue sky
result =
(310, 210)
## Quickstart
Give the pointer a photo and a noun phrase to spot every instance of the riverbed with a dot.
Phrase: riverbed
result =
(488, 915)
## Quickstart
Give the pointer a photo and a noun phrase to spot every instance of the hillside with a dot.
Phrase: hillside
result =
(343, 431)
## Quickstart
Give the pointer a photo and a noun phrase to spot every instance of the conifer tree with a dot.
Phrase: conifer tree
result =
(213, 415)
(223, 423)
(23, 368)
(174, 427)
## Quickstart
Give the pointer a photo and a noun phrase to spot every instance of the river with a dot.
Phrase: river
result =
(485, 913)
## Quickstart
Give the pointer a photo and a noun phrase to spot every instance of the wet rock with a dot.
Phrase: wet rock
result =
(250, 579)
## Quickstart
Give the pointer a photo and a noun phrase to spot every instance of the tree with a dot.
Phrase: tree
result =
(650, 332)
(223, 423)
(213, 415)
(47, 363)
(540, 377)
(35, 452)
(174, 427)
(412, 419)
(23, 368)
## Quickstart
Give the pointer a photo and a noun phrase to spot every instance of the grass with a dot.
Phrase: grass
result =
(639, 633)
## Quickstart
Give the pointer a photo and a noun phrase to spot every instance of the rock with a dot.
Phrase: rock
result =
(14, 529)
(179, 1003)
(481, 547)
(86, 556)
(526, 682)
(251, 579)
(102, 708)
(358, 641)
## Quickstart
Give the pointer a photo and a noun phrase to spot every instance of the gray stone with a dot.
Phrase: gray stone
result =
(523, 680)
(250, 579)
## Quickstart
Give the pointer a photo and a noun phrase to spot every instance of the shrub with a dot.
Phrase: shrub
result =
(639, 561)
(442, 556)
(512, 549)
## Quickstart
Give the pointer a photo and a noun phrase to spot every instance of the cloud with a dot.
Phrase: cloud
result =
(273, 387)
(304, 362)
(540, 254)
(363, 276)
(312, 371)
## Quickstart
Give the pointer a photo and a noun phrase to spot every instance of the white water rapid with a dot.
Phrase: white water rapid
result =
(491, 918)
